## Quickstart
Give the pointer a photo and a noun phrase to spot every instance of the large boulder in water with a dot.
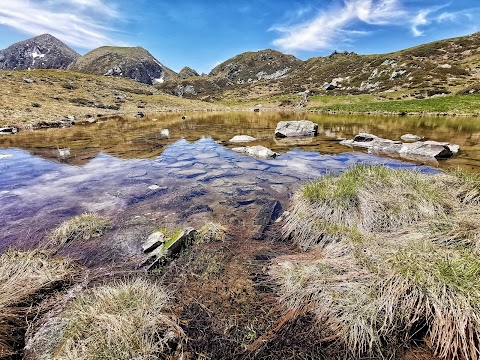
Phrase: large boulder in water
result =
(429, 149)
(296, 128)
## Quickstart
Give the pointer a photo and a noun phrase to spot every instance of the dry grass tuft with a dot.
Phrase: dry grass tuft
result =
(212, 232)
(399, 260)
(23, 278)
(81, 227)
(124, 320)
(363, 199)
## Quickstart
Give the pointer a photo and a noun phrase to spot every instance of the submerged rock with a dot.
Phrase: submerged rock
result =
(296, 128)
(242, 138)
(429, 149)
(8, 130)
(260, 152)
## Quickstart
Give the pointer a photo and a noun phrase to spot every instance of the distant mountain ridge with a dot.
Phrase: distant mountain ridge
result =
(440, 67)
(130, 62)
(41, 52)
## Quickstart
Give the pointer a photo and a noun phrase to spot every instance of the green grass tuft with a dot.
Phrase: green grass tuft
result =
(81, 227)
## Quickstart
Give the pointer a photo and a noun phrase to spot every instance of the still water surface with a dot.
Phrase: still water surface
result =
(127, 170)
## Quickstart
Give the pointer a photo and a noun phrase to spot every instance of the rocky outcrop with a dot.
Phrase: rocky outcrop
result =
(296, 128)
(130, 62)
(41, 52)
(259, 152)
(427, 149)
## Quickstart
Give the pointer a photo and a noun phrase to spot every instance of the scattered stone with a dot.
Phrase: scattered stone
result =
(260, 152)
(296, 128)
(8, 130)
(139, 115)
(63, 153)
(256, 110)
(170, 248)
(28, 80)
(154, 241)
(429, 149)
(242, 138)
(184, 117)
(165, 132)
(397, 73)
(411, 137)
(5, 156)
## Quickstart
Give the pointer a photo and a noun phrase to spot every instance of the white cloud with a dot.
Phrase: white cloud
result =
(419, 20)
(333, 25)
(81, 23)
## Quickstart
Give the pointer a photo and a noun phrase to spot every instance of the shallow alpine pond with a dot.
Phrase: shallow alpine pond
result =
(139, 176)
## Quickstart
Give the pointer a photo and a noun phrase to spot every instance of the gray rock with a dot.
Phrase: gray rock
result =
(426, 150)
(429, 149)
(242, 138)
(296, 128)
(28, 80)
(260, 152)
(165, 133)
(159, 256)
(8, 130)
(452, 147)
(154, 241)
(411, 137)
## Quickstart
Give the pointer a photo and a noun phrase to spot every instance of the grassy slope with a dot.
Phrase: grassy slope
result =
(452, 104)
(56, 93)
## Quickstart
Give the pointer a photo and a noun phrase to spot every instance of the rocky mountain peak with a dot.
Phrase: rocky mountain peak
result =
(187, 72)
(130, 62)
(41, 52)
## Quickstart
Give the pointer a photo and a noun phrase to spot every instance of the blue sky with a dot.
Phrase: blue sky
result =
(203, 33)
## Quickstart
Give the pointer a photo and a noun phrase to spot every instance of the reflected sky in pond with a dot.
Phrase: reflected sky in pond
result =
(192, 182)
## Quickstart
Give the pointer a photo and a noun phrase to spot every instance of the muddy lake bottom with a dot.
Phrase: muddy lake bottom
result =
(126, 170)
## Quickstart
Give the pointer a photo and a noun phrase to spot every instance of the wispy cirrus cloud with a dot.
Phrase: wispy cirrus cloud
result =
(333, 25)
(429, 16)
(340, 24)
(81, 23)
